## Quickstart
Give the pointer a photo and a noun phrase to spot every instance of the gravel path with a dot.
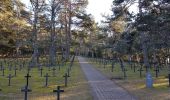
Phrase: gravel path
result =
(102, 88)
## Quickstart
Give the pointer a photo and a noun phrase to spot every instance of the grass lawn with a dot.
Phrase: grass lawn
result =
(136, 85)
(77, 89)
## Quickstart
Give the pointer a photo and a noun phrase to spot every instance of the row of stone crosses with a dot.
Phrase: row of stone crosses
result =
(26, 89)
(134, 66)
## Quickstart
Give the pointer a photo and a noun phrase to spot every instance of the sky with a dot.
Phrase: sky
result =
(99, 7)
(96, 8)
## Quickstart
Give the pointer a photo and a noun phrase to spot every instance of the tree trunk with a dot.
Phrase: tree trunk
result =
(34, 60)
(52, 51)
(143, 38)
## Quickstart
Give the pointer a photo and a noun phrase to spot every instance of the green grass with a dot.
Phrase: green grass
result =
(136, 85)
(77, 84)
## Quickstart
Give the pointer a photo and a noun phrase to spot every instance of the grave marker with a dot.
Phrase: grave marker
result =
(26, 90)
(1, 66)
(105, 63)
(41, 71)
(3, 71)
(46, 79)
(27, 78)
(66, 79)
(23, 64)
(20, 67)
(58, 92)
(130, 62)
(121, 64)
(124, 72)
(134, 67)
(146, 68)
(112, 66)
(140, 70)
(156, 72)
(9, 79)
(15, 69)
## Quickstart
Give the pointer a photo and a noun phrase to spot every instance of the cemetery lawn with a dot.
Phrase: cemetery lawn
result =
(136, 85)
(77, 88)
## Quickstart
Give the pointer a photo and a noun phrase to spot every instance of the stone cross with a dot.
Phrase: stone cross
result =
(58, 92)
(15, 69)
(46, 79)
(134, 67)
(146, 68)
(20, 67)
(121, 64)
(26, 90)
(124, 72)
(41, 69)
(104, 62)
(130, 62)
(140, 70)
(1, 66)
(112, 66)
(9, 79)
(66, 77)
(27, 78)
(156, 71)
(23, 64)
(3, 71)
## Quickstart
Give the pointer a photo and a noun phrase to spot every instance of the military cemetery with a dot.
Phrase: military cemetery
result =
(84, 49)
